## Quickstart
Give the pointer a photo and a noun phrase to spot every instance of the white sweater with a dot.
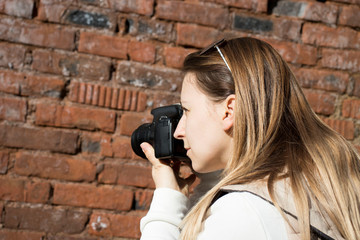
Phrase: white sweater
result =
(237, 215)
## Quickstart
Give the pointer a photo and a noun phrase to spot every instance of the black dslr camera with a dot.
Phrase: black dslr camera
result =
(160, 134)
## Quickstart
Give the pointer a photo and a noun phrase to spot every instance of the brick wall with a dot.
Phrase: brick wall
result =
(77, 77)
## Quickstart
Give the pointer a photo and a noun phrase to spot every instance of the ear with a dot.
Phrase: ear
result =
(229, 112)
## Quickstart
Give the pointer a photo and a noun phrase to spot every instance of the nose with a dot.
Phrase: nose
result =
(180, 129)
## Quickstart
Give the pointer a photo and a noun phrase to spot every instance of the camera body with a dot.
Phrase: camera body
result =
(160, 134)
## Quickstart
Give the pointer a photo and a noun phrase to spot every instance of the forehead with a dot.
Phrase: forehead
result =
(189, 87)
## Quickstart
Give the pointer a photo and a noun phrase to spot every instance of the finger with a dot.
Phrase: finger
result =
(149, 153)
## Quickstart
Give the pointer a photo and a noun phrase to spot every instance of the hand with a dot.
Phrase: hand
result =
(166, 175)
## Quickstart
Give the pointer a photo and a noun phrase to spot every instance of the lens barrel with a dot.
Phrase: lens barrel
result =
(144, 133)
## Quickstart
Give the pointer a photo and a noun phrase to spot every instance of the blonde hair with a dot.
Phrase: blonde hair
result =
(276, 135)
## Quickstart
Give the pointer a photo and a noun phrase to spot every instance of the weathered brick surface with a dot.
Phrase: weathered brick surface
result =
(321, 35)
(105, 197)
(12, 55)
(44, 166)
(4, 160)
(38, 138)
(18, 8)
(24, 191)
(108, 46)
(321, 102)
(38, 34)
(258, 5)
(341, 59)
(71, 64)
(146, 76)
(144, 7)
(350, 15)
(192, 12)
(24, 84)
(127, 174)
(314, 11)
(46, 219)
(70, 117)
(108, 97)
(27, 235)
(78, 77)
(195, 35)
(106, 225)
(13, 109)
(333, 81)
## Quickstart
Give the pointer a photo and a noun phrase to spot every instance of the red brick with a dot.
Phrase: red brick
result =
(341, 59)
(108, 97)
(127, 174)
(38, 34)
(143, 199)
(130, 121)
(38, 138)
(257, 5)
(106, 146)
(295, 53)
(69, 237)
(196, 36)
(313, 11)
(143, 7)
(12, 55)
(12, 189)
(142, 51)
(52, 11)
(285, 28)
(351, 108)
(203, 13)
(114, 225)
(345, 127)
(148, 28)
(321, 102)
(356, 89)
(71, 117)
(18, 8)
(175, 56)
(46, 219)
(350, 1)
(321, 35)
(13, 109)
(37, 192)
(122, 147)
(141, 102)
(350, 15)
(4, 160)
(71, 64)
(90, 142)
(24, 191)
(29, 84)
(54, 167)
(323, 79)
(163, 99)
(7, 234)
(148, 76)
(90, 196)
(108, 46)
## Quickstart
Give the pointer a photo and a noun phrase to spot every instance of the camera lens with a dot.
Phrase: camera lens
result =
(144, 133)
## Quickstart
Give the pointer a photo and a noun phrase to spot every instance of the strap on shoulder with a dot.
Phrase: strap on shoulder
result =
(315, 233)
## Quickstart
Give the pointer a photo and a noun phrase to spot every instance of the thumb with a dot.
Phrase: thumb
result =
(149, 153)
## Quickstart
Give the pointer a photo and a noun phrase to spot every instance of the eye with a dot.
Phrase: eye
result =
(184, 109)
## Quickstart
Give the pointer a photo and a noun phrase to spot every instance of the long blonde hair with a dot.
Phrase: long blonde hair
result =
(276, 135)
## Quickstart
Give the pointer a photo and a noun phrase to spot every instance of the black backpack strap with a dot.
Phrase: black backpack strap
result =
(316, 234)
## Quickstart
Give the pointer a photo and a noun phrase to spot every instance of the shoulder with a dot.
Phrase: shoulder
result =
(244, 215)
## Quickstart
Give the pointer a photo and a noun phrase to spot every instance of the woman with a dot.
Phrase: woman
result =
(286, 174)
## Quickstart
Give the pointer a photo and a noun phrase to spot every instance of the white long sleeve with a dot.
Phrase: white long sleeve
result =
(166, 212)
(238, 215)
